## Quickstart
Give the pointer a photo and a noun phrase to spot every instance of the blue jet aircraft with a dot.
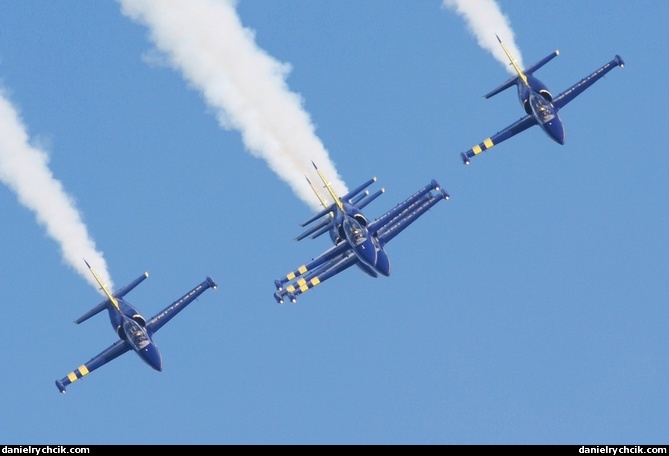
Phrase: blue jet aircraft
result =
(133, 330)
(539, 104)
(356, 240)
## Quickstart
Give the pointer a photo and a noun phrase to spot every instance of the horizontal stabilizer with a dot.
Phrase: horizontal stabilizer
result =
(370, 198)
(318, 215)
(513, 80)
(94, 311)
(501, 88)
(119, 294)
(348, 198)
(323, 230)
(542, 62)
(324, 224)
(356, 199)
(128, 288)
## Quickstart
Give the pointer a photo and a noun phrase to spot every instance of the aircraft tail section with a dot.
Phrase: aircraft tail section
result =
(359, 197)
(520, 74)
(94, 311)
(353, 195)
(509, 83)
(128, 288)
(369, 198)
(321, 227)
(119, 294)
(542, 62)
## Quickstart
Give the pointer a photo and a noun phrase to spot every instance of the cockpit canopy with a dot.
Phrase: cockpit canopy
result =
(351, 214)
(135, 334)
(542, 109)
(354, 231)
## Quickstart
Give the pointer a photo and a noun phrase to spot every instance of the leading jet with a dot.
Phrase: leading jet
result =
(134, 331)
(356, 240)
(538, 102)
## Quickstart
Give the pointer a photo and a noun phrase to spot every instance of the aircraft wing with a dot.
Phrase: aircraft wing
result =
(410, 215)
(520, 125)
(169, 312)
(328, 256)
(309, 279)
(565, 97)
(109, 354)
(405, 213)
(403, 209)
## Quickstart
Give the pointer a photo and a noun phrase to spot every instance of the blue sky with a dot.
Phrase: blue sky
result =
(529, 308)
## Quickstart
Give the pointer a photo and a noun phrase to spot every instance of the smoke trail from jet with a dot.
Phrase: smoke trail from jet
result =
(485, 20)
(217, 55)
(24, 169)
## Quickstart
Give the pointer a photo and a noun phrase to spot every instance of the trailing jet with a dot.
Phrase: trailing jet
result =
(134, 332)
(356, 240)
(540, 106)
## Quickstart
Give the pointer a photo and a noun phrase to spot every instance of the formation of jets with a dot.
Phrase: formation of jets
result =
(356, 239)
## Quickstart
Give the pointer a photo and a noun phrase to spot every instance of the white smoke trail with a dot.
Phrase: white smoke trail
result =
(485, 20)
(205, 40)
(24, 169)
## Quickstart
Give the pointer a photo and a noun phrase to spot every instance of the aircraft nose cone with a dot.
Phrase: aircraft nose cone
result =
(383, 263)
(556, 131)
(152, 357)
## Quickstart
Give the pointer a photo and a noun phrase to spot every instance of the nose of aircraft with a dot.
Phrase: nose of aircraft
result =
(555, 129)
(383, 263)
(152, 357)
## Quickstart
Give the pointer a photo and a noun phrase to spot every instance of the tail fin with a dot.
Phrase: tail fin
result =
(520, 73)
(330, 190)
(111, 298)
(328, 208)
